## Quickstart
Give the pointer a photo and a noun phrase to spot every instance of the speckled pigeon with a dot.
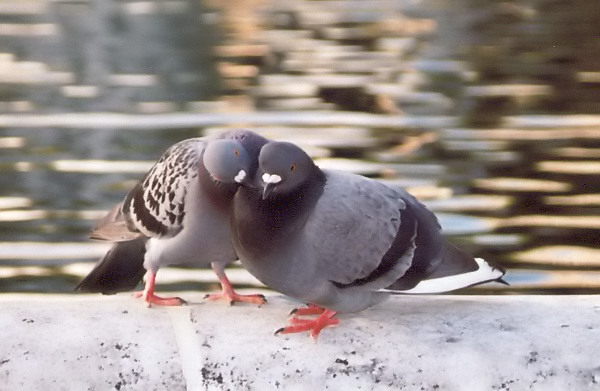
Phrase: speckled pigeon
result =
(341, 242)
(177, 214)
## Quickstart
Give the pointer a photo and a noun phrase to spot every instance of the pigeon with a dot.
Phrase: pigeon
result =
(177, 214)
(340, 242)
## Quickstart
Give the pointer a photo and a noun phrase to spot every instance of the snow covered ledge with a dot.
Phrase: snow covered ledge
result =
(95, 342)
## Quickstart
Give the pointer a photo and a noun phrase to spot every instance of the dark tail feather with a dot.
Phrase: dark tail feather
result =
(454, 261)
(503, 281)
(457, 270)
(121, 269)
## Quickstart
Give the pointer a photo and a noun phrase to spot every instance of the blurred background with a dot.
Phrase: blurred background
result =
(488, 111)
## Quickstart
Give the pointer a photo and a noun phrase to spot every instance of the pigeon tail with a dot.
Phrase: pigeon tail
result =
(120, 269)
(485, 273)
(457, 270)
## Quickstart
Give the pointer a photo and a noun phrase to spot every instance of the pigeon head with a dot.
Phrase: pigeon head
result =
(226, 161)
(250, 140)
(284, 168)
(252, 143)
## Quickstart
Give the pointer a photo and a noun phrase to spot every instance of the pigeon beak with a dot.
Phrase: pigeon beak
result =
(269, 184)
(267, 190)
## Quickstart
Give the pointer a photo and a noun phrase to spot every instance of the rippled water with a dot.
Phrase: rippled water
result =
(56, 182)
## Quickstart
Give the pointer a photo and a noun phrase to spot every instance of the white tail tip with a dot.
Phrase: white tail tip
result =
(485, 273)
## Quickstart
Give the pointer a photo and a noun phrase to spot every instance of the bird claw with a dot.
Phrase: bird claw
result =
(152, 299)
(233, 297)
(311, 309)
(297, 325)
(295, 320)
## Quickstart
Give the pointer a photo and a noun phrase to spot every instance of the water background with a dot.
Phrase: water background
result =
(488, 112)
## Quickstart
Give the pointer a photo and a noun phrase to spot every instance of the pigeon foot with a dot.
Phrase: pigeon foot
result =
(228, 293)
(233, 298)
(150, 298)
(298, 325)
(311, 309)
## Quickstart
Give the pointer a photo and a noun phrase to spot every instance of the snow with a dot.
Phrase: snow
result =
(427, 342)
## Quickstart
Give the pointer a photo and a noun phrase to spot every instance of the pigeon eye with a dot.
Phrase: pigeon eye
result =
(293, 167)
(236, 152)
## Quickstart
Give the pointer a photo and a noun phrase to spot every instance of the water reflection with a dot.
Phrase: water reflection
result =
(54, 192)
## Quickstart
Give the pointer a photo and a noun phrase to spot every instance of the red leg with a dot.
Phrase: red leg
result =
(326, 319)
(150, 298)
(228, 293)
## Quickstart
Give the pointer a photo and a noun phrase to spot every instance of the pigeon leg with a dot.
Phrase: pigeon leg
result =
(326, 319)
(311, 309)
(228, 293)
(150, 298)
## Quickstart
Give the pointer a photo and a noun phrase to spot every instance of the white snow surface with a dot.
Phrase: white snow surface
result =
(99, 342)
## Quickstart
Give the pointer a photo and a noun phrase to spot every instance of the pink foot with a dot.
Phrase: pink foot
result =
(233, 297)
(228, 292)
(311, 309)
(150, 298)
(297, 325)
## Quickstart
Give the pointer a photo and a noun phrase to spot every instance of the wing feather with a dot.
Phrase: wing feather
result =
(353, 226)
(155, 207)
(113, 227)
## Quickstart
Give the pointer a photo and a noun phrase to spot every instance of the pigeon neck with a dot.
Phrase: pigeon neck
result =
(302, 199)
(261, 224)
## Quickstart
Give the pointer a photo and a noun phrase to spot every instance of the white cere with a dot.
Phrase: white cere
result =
(268, 178)
(240, 176)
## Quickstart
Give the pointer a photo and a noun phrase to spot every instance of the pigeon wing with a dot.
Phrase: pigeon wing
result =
(113, 227)
(155, 207)
(353, 226)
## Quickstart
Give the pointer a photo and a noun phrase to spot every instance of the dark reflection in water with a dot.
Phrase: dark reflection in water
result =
(521, 191)
(109, 55)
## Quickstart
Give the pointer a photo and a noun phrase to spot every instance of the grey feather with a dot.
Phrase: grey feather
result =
(156, 206)
(363, 215)
(341, 241)
(178, 210)
(120, 269)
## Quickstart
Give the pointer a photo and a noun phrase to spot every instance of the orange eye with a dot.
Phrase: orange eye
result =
(293, 167)
(236, 152)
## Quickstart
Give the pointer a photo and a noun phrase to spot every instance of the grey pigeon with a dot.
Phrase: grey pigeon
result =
(341, 242)
(177, 214)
